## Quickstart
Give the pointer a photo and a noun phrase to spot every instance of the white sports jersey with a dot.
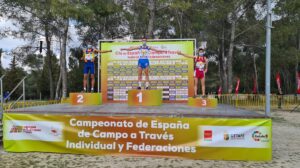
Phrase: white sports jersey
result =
(144, 52)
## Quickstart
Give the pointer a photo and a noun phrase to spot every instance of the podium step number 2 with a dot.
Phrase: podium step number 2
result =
(86, 98)
(144, 97)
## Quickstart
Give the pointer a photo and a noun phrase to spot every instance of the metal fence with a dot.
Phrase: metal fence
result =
(257, 102)
(10, 106)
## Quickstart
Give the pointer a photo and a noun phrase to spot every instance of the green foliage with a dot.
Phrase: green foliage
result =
(13, 75)
(76, 70)
(43, 82)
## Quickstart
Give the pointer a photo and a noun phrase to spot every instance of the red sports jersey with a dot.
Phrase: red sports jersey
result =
(199, 67)
(200, 63)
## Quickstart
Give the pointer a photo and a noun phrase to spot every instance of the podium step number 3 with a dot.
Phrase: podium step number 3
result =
(86, 98)
(203, 102)
(144, 97)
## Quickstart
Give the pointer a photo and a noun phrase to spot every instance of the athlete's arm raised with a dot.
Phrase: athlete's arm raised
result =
(185, 55)
(102, 51)
(156, 50)
(206, 65)
(130, 49)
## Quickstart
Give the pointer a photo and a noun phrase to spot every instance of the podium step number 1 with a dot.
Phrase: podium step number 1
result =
(145, 97)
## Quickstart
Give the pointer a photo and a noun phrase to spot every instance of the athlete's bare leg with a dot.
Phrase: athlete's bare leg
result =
(85, 76)
(140, 72)
(147, 74)
(147, 77)
(195, 86)
(93, 81)
(203, 86)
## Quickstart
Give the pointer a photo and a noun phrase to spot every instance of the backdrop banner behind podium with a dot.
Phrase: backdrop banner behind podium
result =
(170, 72)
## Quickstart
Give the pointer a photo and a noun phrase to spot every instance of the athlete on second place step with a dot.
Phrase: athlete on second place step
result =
(201, 67)
(89, 66)
(143, 62)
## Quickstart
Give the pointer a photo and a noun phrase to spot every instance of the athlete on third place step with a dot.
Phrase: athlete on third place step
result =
(89, 66)
(201, 67)
(143, 62)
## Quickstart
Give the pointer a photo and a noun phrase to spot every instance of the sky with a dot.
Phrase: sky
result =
(8, 43)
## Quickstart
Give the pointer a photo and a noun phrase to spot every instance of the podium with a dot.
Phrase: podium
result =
(145, 97)
(203, 102)
(86, 98)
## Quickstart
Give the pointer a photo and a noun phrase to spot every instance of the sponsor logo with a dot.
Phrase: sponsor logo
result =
(33, 130)
(55, 132)
(25, 129)
(234, 136)
(228, 136)
(207, 135)
(260, 137)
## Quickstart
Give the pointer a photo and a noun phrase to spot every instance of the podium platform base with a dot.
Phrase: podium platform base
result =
(203, 102)
(145, 97)
(86, 98)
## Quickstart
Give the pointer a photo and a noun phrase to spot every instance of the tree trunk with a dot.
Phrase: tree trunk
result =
(220, 67)
(58, 86)
(151, 8)
(1, 61)
(179, 21)
(255, 74)
(297, 61)
(223, 74)
(63, 56)
(49, 56)
(230, 56)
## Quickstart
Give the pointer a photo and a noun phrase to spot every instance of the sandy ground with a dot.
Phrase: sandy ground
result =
(286, 153)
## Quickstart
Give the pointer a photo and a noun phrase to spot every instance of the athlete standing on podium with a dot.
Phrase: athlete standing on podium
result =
(89, 65)
(143, 62)
(201, 67)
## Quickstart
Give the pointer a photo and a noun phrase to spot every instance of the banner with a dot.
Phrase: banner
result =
(169, 71)
(254, 90)
(220, 91)
(237, 86)
(278, 82)
(194, 138)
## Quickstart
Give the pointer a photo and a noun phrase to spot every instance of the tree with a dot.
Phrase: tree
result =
(76, 67)
(35, 19)
(1, 69)
(101, 19)
(14, 74)
(286, 43)
(35, 62)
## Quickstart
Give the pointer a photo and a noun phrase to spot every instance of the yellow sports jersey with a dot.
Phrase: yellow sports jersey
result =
(89, 55)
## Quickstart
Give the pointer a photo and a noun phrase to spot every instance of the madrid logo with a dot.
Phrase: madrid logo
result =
(208, 135)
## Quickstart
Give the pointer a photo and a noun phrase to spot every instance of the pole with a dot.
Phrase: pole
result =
(268, 59)
(24, 92)
(2, 98)
(98, 78)
(1, 83)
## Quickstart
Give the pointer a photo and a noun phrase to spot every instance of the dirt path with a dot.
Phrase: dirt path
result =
(286, 153)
